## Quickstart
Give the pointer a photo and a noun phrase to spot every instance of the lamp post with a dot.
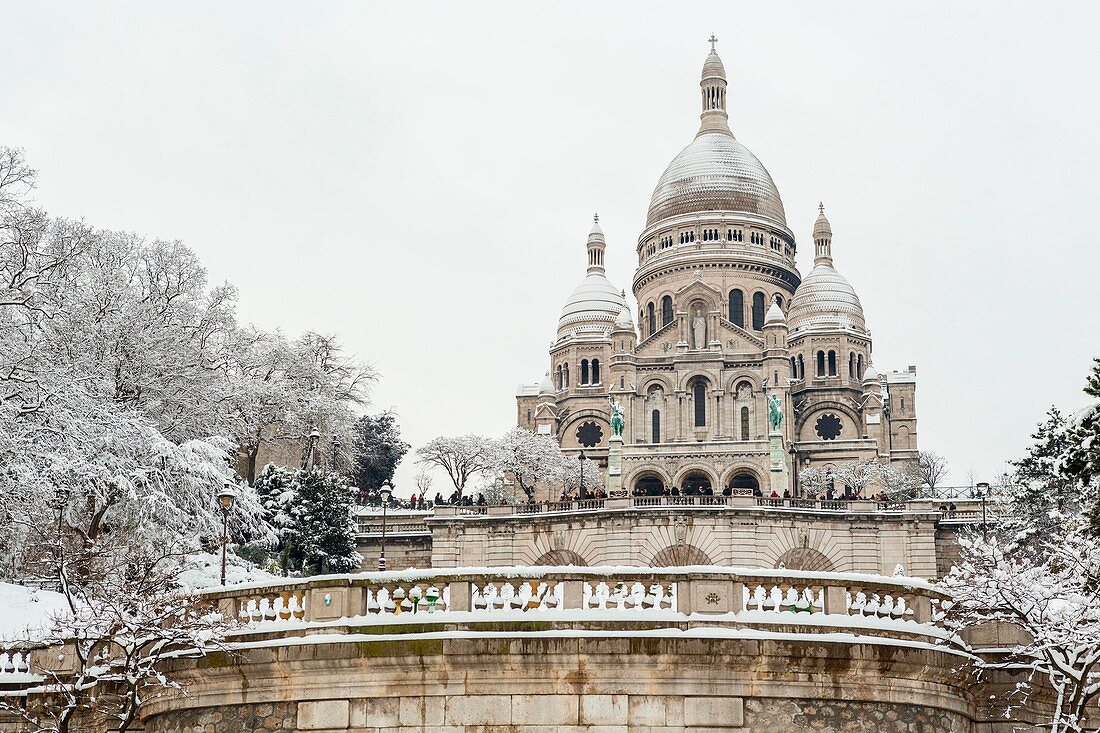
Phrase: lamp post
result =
(385, 491)
(308, 462)
(983, 491)
(335, 452)
(225, 502)
(580, 483)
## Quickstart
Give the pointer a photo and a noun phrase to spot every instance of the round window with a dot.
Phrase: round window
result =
(828, 426)
(589, 434)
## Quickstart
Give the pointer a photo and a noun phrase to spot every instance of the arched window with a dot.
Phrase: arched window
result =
(744, 423)
(584, 371)
(656, 426)
(821, 363)
(832, 363)
(801, 367)
(851, 366)
(651, 319)
(666, 310)
(737, 308)
(794, 368)
(595, 371)
(778, 300)
(859, 367)
(699, 394)
(758, 311)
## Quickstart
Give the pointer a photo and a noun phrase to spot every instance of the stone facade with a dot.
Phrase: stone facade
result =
(725, 320)
(860, 541)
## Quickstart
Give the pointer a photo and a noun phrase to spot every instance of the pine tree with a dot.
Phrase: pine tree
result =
(1044, 500)
(376, 451)
(311, 513)
(322, 517)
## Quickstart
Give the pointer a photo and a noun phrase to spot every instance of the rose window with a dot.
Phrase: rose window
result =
(828, 426)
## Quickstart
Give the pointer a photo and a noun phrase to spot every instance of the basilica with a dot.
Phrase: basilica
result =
(724, 320)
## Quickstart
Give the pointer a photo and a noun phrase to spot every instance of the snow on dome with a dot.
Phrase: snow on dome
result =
(713, 67)
(774, 314)
(547, 386)
(716, 173)
(595, 299)
(825, 301)
(870, 375)
(821, 226)
(625, 320)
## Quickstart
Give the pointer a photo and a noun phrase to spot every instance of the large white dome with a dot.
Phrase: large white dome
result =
(595, 300)
(825, 301)
(716, 173)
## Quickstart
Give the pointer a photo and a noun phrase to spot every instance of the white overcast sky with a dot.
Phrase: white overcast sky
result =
(420, 177)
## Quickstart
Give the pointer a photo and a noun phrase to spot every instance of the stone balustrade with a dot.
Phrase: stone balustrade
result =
(590, 594)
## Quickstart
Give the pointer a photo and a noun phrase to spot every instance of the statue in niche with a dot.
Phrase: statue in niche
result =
(699, 329)
(744, 391)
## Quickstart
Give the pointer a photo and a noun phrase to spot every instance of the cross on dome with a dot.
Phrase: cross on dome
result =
(713, 40)
(821, 207)
(596, 217)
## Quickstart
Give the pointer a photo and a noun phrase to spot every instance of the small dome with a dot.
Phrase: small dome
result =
(547, 386)
(774, 315)
(821, 226)
(624, 320)
(870, 375)
(713, 66)
(825, 301)
(595, 231)
(595, 299)
(716, 173)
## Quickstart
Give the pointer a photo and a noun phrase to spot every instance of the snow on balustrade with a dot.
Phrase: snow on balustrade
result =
(875, 606)
(286, 606)
(791, 598)
(522, 596)
(627, 595)
(406, 597)
(15, 663)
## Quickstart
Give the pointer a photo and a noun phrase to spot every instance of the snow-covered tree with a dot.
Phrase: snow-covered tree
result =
(529, 459)
(462, 457)
(900, 482)
(857, 475)
(311, 511)
(581, 477)
(1043, 501)
(376, 450)
(119, 629)
(815, 481)
(1050, 593)
(931, 467)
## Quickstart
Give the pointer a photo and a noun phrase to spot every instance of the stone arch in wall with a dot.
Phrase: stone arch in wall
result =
(743, 477)
(561, 557)
(649, 482)
(683, 473)
(805, 558)
(680, 555)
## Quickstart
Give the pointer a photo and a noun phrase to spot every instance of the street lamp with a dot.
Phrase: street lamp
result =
(225, 502)
(580, 483)
(386, 490)
(983, 492)
(335, 451)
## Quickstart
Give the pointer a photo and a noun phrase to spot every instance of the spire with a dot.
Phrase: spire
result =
(596, 247)
(823, 238)
(713, 87)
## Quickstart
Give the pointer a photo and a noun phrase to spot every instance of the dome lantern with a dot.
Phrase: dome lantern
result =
(823, 238)
(825, 300)
(713, 90)
(596, 247)
(596, 303)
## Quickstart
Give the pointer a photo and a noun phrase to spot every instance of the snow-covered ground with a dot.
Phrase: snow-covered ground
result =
(23, 610)
(204, 571)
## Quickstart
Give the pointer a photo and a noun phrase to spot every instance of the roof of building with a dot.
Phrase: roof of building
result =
(825, 301)
(715, 172)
